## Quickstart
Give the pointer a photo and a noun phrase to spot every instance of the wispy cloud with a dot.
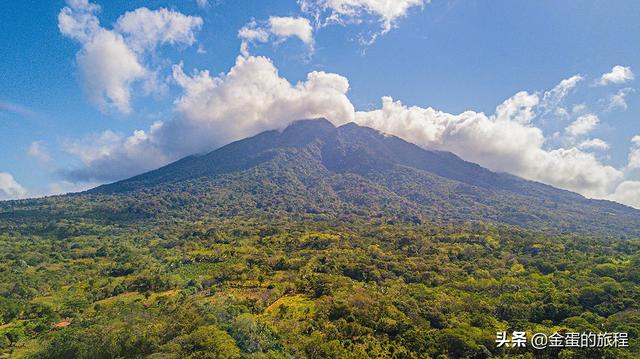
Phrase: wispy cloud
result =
(344, 12)
(38, 150)
(276, 29)
(618, 101)
(17, 109)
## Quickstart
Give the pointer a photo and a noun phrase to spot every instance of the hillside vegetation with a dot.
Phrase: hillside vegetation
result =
(315, 242)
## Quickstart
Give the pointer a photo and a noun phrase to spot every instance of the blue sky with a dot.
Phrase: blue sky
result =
(473, 77)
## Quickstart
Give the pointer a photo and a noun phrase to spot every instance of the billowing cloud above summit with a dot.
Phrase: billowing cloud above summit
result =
(250, 98)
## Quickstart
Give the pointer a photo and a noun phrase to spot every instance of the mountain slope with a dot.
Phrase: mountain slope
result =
(314, 167)
(315, 242)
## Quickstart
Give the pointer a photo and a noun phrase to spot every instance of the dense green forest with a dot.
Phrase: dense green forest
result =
(307, 287)
(315, 248)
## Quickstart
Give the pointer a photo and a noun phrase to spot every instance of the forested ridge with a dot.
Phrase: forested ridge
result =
(315, 242)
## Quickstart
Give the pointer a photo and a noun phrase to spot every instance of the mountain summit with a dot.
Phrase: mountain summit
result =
(314, 167)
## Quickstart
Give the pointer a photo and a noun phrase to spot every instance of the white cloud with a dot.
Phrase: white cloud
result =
(108, 68)
(251, 33)
(583, 125)
(628, 192)
(634, 153)
(618, 101)
(144, 29)
(38, 151)
(110, 61)
(578, 108)
(64, 187)
(78, 20)
(498, 142)
(10, 188)
(617, 75)
(278, 29)
(518, 108)
(594, 144)
(253, 97)
(59, 188)
(554, 97)
(387, 12)
(285, 27)
(111, 156)
(202, 3)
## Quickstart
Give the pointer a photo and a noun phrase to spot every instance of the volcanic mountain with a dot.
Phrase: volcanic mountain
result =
(313, 168)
